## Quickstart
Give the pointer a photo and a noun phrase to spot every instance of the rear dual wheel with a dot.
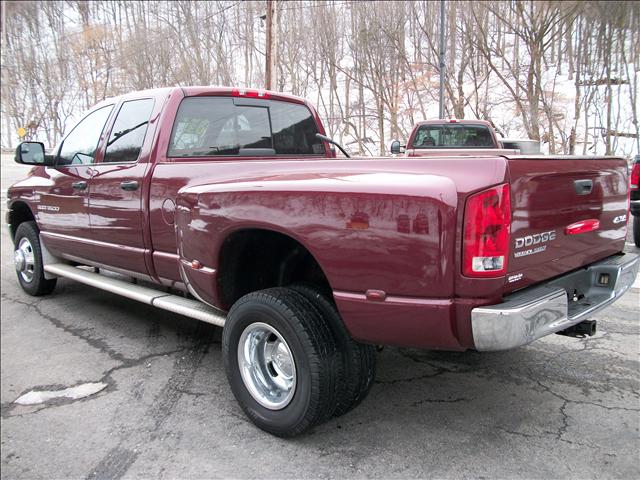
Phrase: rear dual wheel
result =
(281, 361)
(358, 360)
(289, 364)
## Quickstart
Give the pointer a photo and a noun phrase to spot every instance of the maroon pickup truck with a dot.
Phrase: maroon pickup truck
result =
(436, 138)
(227, 206)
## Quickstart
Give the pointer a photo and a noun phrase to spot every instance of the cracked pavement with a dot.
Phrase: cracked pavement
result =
(560, 407)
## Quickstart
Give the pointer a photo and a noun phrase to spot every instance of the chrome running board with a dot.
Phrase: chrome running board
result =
(173, 303)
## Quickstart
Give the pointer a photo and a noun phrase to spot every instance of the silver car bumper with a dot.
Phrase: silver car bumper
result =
(556, 305)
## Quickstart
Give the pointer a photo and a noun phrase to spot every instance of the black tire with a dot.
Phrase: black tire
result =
(636, 230)
(313, 350)
(358, 360)
(36, 284)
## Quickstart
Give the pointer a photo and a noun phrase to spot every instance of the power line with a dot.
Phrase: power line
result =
(300, 6)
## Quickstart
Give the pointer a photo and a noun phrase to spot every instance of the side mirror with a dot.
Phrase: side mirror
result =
(32, 153)
(396, 147)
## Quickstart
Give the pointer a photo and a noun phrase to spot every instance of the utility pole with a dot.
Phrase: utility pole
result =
(442, 64)
(271, 69)
(5, 70)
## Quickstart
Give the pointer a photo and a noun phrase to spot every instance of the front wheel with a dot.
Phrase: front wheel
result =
(281, 361)
(27, 257)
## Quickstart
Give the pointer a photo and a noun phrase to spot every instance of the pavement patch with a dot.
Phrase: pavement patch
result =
(36, 397)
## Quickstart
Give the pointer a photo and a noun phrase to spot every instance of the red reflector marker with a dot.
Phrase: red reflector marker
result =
(582, 226)
(376, 295)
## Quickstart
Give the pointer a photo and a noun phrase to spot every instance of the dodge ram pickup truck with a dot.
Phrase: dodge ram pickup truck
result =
(435, 138)
(229, 206)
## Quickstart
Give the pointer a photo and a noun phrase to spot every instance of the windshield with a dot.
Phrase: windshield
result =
(453, 136)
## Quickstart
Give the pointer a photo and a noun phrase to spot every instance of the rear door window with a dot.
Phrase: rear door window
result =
(222, 126)
(128, 132)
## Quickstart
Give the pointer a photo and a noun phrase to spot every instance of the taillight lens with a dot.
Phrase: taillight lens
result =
(633, 185)
(487, 223)
(635, 177)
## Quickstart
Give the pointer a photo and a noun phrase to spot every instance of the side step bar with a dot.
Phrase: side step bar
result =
(156, 298)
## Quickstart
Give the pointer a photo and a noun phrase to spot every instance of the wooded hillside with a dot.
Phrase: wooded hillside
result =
(563, 72)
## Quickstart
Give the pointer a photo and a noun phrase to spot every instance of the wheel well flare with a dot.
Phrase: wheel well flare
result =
(19, 213)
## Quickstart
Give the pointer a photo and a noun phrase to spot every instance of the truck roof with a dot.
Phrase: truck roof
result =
(440, 121)
(198, 91)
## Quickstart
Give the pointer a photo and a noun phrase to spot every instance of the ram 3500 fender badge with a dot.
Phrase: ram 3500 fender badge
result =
(49, 208)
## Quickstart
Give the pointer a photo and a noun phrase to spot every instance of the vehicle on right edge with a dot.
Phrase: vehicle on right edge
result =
(437, 137)
(634, 194)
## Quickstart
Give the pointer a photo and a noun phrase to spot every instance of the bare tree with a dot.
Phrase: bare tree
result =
(562, 72)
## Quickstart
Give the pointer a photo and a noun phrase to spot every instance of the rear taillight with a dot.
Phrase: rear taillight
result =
(487, 222)
(635, 177)
(633, 185)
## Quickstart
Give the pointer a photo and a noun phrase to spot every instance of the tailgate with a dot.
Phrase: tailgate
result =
(548, 194)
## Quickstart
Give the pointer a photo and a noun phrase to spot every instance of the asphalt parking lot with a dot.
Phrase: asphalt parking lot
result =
(560, 407)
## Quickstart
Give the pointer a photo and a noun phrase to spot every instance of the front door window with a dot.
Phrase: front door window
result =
(79, 147)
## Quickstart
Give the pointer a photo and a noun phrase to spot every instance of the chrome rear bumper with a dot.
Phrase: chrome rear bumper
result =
(548, 308)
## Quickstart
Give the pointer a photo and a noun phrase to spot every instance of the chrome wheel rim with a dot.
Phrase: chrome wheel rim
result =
(24, 259)
(267, 366)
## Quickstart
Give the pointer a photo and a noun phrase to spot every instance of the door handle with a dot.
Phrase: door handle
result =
(130, 185)
(82, 185)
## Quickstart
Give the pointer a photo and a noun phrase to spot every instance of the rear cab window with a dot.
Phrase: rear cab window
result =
(453, 136)
(224, 126)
